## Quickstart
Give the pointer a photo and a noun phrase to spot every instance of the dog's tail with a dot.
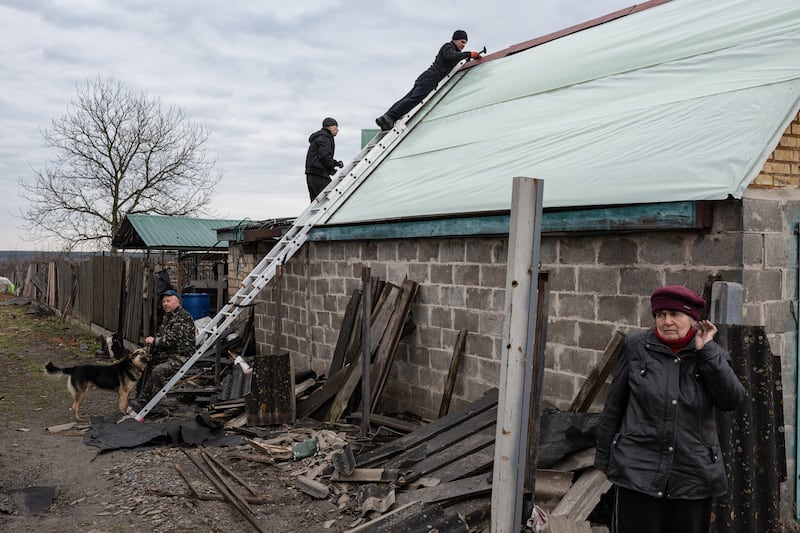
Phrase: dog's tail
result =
(53, 369)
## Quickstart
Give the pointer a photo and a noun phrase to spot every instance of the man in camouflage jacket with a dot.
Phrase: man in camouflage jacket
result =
(172, 346)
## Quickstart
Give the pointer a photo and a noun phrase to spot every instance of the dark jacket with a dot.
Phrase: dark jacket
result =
(176, 335)
(658, 431)
(319, 158)
(446, 59)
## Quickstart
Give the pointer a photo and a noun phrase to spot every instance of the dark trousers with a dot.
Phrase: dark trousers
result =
(635, 512)
(425, 83)
(316, 184)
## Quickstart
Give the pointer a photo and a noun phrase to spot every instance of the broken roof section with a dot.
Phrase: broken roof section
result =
(162, 232)
(676, 101)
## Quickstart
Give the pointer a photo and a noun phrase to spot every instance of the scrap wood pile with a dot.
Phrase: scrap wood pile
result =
(438, 473)
(338, 395)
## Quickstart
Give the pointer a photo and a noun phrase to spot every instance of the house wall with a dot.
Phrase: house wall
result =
(598, 283)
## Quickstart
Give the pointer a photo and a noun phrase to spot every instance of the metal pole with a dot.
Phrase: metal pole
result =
(516, 367)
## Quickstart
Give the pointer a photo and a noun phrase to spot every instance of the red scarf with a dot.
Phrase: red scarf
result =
(677, 344)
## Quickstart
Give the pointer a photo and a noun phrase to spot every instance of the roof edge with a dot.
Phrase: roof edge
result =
(526, 45)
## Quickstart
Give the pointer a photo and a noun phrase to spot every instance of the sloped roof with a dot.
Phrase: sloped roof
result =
(676, 101)
(161, 232)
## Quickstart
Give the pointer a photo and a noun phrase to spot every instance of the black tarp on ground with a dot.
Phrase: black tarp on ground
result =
(132, 434)
(563, 433)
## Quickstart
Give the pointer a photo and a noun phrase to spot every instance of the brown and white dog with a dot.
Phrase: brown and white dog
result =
(120, 377)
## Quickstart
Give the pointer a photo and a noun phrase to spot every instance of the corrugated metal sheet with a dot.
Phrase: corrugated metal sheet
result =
(752, 438)
(160, 232)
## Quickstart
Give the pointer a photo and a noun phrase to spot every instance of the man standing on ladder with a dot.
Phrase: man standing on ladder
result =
(449, 55)
(320, 164)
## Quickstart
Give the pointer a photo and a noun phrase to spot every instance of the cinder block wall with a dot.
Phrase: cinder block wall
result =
(597, 284)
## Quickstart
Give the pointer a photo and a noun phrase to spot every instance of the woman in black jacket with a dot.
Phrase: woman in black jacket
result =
(657, 440)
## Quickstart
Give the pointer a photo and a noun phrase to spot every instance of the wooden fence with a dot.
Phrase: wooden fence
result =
(112, 292)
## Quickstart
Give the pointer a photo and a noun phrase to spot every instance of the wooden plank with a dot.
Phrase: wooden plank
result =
(446, 439)
(475, 463)
(428, 431)
(584, 495)
(384, 358)
(346, 330)
(389, 422)
(393, 520)
(471, 486)
(552, 484)
(367, 475)
(562, 524)
(328, 390)
(380, 321)
(450, 453)
(597, 377)
(452, 373)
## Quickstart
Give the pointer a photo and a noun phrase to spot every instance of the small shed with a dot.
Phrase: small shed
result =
(200, 257)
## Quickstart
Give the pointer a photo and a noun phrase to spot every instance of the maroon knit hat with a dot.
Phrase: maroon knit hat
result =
(677, 298)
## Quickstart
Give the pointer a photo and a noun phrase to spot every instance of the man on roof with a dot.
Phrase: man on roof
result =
(449, 55)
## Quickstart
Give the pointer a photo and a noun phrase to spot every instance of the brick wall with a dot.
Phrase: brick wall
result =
(782, 169)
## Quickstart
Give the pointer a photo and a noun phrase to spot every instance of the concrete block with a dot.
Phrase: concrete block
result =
(427, 250)
(618, 308)
(780, 251)
(387, 251)
(442, 274)
(491, 276)
(577, 251)
(580, 306)
(618, 251)
(478, 298)
(639, 281)
(719, 249)
(562, 278)
(763, 215)
(452, 251)
(764, 285)
(665, 250)
(479, 250)
(597, 280)
(467, 275)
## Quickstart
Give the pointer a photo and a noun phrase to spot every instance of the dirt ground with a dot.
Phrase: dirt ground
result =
(119, 490)
(81, 490)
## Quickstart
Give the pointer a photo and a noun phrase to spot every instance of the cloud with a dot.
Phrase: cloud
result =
(259, 75)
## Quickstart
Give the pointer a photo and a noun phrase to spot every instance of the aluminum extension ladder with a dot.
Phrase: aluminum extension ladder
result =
(341, 187)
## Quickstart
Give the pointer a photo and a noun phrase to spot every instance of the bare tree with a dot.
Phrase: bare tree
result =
(118, 153)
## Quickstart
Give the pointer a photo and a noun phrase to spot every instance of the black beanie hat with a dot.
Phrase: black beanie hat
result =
(460, 35)
(328, 121)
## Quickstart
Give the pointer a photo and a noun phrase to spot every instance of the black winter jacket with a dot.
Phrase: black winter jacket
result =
(658, 432)
(446, 59)
(319, 158)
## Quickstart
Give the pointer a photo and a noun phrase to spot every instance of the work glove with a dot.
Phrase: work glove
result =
(339, 164)
(474, 55)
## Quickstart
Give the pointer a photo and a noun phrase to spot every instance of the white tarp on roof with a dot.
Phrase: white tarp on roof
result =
(683, 101)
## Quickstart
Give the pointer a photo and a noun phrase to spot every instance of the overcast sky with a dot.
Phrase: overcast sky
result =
(260, 75)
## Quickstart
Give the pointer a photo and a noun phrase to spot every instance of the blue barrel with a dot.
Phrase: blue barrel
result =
(197, 303)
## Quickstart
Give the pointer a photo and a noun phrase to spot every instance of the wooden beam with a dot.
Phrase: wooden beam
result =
(584, 496)
(597, 377)
(452, 373)
(428, 431)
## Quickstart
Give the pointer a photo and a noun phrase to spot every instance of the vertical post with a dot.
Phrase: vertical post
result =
(516, 367)
(366, 348)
